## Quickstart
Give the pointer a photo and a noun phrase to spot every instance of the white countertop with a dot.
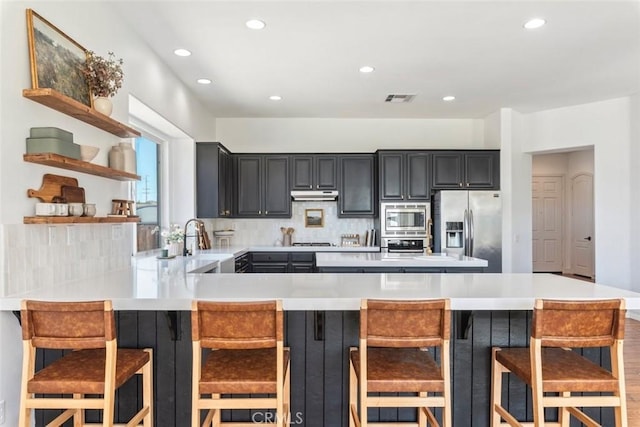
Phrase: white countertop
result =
(383, 259)
(152, 284)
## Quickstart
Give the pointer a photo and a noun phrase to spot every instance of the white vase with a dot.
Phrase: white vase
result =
(173, 249)
(129, 157)
(103, 105)
(116, 158)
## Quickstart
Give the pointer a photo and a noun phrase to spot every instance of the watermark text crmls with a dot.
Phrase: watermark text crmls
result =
(271, 417)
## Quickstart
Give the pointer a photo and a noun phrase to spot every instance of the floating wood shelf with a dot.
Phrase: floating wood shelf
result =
(77, 219)
(56, 160)
(73, 108)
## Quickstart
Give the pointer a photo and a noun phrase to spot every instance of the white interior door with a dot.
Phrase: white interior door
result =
(582, 230)
(547, 223)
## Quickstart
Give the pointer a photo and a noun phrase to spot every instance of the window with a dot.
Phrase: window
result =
(148, 193)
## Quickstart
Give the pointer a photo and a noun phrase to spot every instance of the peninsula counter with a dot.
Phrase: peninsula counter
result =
(153, 298)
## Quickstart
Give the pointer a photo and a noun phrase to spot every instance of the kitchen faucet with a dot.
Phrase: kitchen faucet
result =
(198, 223)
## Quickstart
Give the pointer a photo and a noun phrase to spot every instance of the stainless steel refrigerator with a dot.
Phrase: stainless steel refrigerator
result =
(469, 223)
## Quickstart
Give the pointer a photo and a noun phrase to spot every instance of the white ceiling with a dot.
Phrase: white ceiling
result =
(310, 53)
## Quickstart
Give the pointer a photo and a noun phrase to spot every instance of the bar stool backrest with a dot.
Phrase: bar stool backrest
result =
(64, 325)
(237, 325)
(575, 324)
(388, 323)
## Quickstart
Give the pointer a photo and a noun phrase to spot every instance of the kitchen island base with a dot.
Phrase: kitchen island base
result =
(319, 343)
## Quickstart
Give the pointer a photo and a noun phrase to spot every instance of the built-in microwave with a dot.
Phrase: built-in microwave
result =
(405, 219)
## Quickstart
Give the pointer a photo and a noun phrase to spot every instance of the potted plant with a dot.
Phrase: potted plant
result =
(104, 77)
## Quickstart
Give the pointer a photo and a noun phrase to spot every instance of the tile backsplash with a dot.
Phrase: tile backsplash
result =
(38, 256)
(266, 232)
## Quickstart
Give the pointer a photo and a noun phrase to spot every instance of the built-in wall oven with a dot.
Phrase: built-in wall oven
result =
(405, 227)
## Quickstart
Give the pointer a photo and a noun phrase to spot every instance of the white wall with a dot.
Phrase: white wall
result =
(515, 184)
(607, 126)
(634, 160)
(347, 135)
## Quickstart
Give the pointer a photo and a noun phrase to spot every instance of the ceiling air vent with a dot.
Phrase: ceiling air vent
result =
(399, 98)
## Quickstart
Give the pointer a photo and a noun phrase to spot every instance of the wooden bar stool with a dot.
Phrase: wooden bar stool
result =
(555, 372)
(393, 358)
(247, 357)
(95, 366)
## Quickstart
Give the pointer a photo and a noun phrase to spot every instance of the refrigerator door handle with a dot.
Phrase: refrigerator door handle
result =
(471, 232)
(465, 236)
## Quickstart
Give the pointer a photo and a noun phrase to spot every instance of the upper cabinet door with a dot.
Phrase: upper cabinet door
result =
(466, 170)
(317, 172)
(213, 181)
(277, 198)
(482, 170)
(357, 187)
(302, 172)
(417, 185)
(447, 170)
(249, 196)
(391, 176)
(326, 172)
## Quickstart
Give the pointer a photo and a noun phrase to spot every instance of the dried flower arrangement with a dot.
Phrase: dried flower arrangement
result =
(103, 75)
(175, 234)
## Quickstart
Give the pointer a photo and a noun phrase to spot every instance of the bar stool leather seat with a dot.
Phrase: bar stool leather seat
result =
(241, 371)
(82, 371)
(400, 370)
(562, 370)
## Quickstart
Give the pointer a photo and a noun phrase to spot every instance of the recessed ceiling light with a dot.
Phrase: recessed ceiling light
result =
(275, 97)
(204, 81)
(367, 69)
(182, 52)
(448, 98)
(534, 23)
(255, 24)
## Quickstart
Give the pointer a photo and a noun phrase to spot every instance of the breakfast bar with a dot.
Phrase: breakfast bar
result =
(153, 298)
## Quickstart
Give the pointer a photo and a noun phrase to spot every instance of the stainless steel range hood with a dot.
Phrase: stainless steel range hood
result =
(316, 196)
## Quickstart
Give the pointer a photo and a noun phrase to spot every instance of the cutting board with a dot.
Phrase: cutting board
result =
(73, 194)
(52, 187)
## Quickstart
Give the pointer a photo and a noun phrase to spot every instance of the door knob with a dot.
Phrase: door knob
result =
(587, 238)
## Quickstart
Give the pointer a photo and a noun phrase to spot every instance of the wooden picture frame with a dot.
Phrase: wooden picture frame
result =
(56, 60)
(314, 218)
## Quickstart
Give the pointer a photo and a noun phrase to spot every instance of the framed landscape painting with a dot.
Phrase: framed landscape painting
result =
(56, 60)
(314, 217)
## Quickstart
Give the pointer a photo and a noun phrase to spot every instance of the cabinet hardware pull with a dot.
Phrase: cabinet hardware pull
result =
(310, 185)
(460, 184)
(260, 212)
(467, 184)
(341, 211)
(266, 212)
